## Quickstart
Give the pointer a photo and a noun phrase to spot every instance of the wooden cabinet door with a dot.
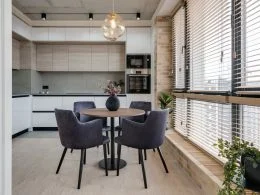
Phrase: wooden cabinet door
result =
(99, 58)
(116, 57)
(44, 57)
(60, 58)
(80, 58)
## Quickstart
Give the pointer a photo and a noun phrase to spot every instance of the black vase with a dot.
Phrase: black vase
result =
(112, 103)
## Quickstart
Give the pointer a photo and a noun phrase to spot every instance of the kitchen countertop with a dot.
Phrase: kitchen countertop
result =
(20, 95)
(76, 94)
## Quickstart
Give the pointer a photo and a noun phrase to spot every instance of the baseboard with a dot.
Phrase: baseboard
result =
(45, 128)
(20, 133)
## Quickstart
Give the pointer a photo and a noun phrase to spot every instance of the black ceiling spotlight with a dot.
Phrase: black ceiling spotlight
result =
(138, 16)
(90, 16)
(44, 17)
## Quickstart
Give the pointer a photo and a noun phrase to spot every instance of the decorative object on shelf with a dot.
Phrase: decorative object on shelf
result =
(112, 88)
(113, 27)
(238, 176)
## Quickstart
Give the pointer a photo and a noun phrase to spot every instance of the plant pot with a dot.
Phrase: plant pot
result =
(112, 103)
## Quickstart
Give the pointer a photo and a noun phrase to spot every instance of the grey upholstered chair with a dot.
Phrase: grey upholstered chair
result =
(142, 136)
(81, 105)
(80, 136)
(143, 105)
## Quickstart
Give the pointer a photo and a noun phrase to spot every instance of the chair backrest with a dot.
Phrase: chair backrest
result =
(67, 123)
(155, 126)
(81, 105)
(146, 106)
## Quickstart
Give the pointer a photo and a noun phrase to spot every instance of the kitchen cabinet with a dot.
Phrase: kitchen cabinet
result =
(138, 40)
(15, 54)
(21, 114)
(96, 34)
(46, 103)
(79, 57)
(77, 34)
(40, 34)
(68, 102)
(21, 28)
(60, 61)
(99, 58)
(44, 57)
(116, 57)
(57, 34)
(44, 120)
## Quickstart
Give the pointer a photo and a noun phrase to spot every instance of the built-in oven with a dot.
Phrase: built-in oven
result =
(139, 83)
(138, 61)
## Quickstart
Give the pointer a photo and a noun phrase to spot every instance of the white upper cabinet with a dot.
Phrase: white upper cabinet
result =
(79, 57)
(60, 61)
(77, 34)
(99, 58)
(57, 34)
(138, 40)
(44, 57)
(21, 28)
(40, 34)
(116, 57)
(96, 34)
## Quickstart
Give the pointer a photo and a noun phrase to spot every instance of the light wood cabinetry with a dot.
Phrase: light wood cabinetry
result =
(116, 57)
(44, 57)
(99, 58)
(60, 61)
(138, 40)
(16, 54)
(79, 58)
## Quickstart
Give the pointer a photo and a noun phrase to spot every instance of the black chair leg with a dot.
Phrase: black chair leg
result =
(81, 167)
(61, 160)
(118, 158)
(107, 144)
(145, 155)
(85, 152)
(139, 160)
(71, 150)
(163, 161)
(153, 150)
(105, 157)
(143, 169)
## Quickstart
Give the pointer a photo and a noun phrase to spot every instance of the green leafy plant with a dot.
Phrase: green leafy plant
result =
(165, 100)
(233, 183)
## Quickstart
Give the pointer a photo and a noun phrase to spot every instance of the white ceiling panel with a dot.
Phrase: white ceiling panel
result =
(61, 9)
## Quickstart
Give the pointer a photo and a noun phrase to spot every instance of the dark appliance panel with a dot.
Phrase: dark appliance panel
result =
(138, 61)
(139, 83)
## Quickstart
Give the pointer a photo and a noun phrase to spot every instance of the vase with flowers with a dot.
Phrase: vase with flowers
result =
(112, 88)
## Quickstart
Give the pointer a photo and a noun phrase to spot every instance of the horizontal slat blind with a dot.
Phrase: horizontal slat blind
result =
(180, 116)
(178, 33)
(248, 70)
(209, 37)
(207, 122)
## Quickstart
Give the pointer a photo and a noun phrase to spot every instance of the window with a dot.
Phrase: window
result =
(209, 39)
(207, 123)
(248, 78)
(178, 33)
(180, 116)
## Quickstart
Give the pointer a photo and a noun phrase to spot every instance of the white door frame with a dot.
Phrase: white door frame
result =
(5, 97)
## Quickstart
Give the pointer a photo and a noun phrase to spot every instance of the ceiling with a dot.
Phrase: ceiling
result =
(79, 9)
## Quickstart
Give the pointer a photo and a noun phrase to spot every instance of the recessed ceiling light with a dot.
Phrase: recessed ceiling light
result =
(44, 16)
(90, 16)
(138, 16)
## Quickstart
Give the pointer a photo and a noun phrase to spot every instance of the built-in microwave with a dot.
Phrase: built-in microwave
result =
(139, 83)
(138, 61)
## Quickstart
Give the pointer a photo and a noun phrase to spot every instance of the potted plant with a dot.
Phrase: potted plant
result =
(112, 88)
(165, 100)
(238, 175)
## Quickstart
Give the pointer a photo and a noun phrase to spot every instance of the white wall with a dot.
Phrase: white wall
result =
(5, 97)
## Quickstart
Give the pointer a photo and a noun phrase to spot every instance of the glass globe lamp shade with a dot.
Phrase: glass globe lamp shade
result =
(113, 27)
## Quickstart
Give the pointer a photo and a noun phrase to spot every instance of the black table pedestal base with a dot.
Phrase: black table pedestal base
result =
(109, 166)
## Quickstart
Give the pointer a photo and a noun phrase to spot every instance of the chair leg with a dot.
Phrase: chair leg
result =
(145, 154)
(61, 160)
(107, 144)
(139, 160)
(153, 150)
(118, 158)
(163, 161)
(85, 152)
(143, 168)
(81, 167)
(71, 150)
(105, 157)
